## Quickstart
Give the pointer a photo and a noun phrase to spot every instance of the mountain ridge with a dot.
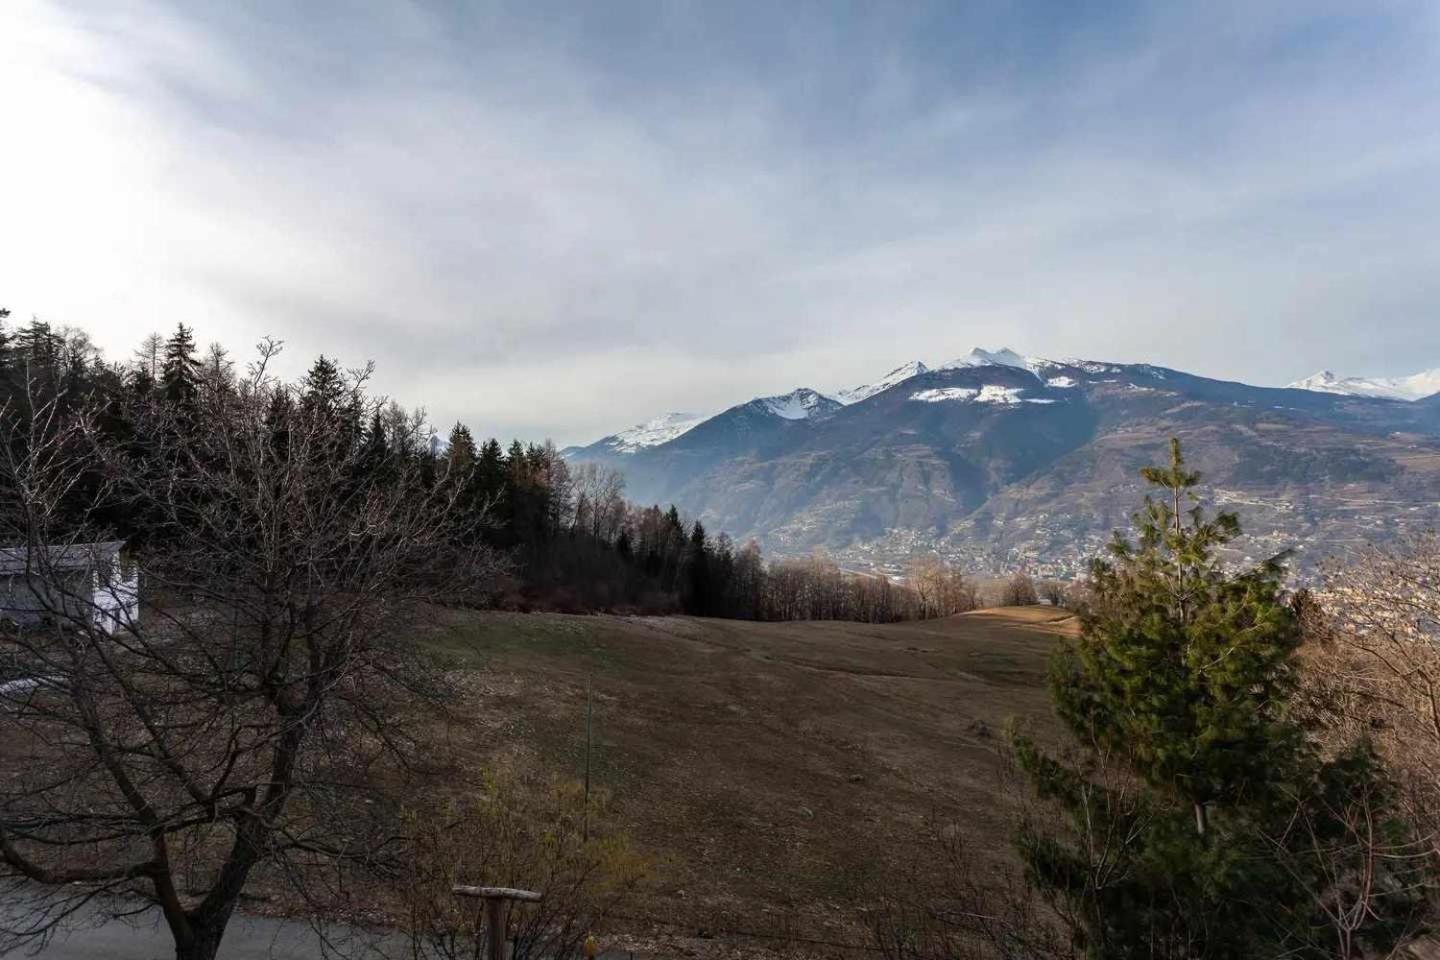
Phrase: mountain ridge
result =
(1032, 462)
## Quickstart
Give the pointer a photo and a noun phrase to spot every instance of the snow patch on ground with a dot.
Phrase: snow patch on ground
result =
(1061, 383)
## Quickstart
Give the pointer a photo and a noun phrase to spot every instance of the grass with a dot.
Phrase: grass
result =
(778, 774)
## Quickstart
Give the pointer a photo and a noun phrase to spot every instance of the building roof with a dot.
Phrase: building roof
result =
(70, 556)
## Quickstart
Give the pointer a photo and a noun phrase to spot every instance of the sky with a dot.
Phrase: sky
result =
(558, 219)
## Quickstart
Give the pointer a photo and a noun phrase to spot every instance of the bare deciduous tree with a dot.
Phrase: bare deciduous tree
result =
(1019, 591)
(1374, 651)
(942, 590)
(1351, 861)
(234, 724)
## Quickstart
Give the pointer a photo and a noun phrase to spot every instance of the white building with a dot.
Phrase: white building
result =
(78, 583)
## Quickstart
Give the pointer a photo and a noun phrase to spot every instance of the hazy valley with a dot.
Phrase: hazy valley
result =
(997, 461)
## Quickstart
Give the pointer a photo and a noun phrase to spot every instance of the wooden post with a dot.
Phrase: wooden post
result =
(497, 902)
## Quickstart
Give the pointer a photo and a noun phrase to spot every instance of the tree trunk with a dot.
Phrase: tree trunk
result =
(1202, 818)
(203, 945)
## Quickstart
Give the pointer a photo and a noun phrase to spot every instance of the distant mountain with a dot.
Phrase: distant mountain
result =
(661, 429)
(1000, 460)
(1414, 387)
(1004, 357)
(865, 391)
(800, 404)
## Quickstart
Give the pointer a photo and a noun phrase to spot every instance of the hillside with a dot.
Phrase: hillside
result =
(999, 463)
(766, 767)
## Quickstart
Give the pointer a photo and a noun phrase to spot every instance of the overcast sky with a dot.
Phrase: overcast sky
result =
(559, 219)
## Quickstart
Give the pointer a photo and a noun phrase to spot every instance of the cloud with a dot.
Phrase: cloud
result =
(559, 220)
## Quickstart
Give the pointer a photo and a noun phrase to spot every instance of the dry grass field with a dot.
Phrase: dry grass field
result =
(778, 775)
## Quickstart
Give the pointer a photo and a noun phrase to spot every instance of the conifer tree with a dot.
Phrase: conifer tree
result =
(1187, 665)
(460, 449)
(141, 383)
(697, 563)
(324, 388)
(180, 370)
(376, 453)
(490, 473)
(1182, 797)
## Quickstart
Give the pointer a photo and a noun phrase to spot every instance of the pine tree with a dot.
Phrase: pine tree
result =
(490, 477)
(180, 370)
(375, 457)
(1178, 692)
(141, 383)
(1188, 666)
(461, 455)
(697, 563)
(323, 391)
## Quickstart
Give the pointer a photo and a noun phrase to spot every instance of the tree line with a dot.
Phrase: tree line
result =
(572, 540)
(260, 711)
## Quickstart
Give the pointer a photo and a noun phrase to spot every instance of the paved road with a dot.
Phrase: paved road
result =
(247, 938)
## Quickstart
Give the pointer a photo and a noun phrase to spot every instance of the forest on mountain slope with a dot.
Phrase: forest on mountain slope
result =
(568, 538)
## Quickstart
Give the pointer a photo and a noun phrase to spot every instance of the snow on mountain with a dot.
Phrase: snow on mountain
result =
(801, 404)
(1004, 357)
(990, 393)
(651, 433)
(1414, 387)
(867, 390)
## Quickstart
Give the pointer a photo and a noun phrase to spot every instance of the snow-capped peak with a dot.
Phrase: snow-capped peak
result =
(1004, 357)
(1413, 387)
(652, 433)
(865, 391)
(800, 404)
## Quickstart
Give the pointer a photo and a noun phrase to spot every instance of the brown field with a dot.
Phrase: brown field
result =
(779, 775)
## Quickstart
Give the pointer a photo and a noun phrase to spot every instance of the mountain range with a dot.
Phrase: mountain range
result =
(997, 461)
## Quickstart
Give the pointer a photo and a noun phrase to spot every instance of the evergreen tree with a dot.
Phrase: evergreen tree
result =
(180, 371)
(141, 383)
(461, 453)
(1182, 680)
(490, 477)
(375, 457)
(323, 391)
(1186, 665)
(697, 564)
(38, 346)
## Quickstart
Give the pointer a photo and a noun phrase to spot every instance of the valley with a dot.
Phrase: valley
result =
(999, 462)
